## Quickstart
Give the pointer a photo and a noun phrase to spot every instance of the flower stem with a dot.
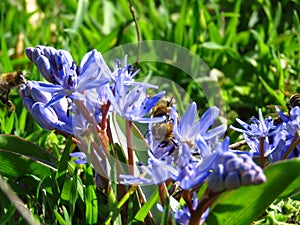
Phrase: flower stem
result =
(130, 146)
(137, 33)
(187, 198)
(206, 201)
(104, 116)
(101, 134)
(295, 142)
(162, 191)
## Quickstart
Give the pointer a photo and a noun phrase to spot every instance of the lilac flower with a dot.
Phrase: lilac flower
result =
(292, 122)
(261, 129)
(196, 171)
(47, 118)
(156, 172)
(187, 130)
(58, 67)
(232, 171)
(53, 117)
(54, 65)
(183, 215)
(129, 98)
(188, 171)
(194, 150)
(126, 72)
(81, 157)
(190, 132)
(291, 134)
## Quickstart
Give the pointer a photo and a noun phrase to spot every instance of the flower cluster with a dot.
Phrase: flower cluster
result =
(92, 82)
(194, 147)
(80, 100)
(276, 141)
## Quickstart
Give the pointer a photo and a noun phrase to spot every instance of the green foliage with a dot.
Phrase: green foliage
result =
(254, 45)
(282, 212)
(238, 205)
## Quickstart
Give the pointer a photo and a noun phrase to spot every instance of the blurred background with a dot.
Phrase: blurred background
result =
(251, 47)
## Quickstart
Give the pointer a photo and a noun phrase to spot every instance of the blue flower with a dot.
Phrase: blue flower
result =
(183, 215)
(194, 150)
(129, 98)
(54, 65)
(232, 171)
(52, 117)
(261, 129)
(196, 171)
(290, 133)
(156, 172)
(81, 157)
(58, 67)
(126, 72)
(292, 122)
(48, 119)
(187, 130)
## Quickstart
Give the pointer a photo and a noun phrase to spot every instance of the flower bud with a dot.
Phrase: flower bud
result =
(45, 116)
(45, 68)
(28, 102)
(232, 171)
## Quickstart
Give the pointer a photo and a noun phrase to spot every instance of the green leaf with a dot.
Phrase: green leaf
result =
(180, 25)
(22, 146)
(264, 49)
(68, 189)
(91, 201)
(59, 218)
(233, 24)
(278, 96)
(15, 165)
(9, 125)
(143, 212)
(63, 165)
(18, 203)
(4, 51)
(274, 26)
(6, 217)
(166, 213)
(75, 189)
(292, 190)
(246, 204)
(81, 11)
(213, 46)
(297, 27)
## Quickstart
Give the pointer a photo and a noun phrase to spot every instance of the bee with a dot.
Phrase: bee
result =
(163, 132)
(294, 101)
(162, 108)
(7, 82)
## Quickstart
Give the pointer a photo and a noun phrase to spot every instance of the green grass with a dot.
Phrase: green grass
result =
(253, 45)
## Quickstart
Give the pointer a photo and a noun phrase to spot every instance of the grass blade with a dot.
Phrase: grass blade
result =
(91, 201)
